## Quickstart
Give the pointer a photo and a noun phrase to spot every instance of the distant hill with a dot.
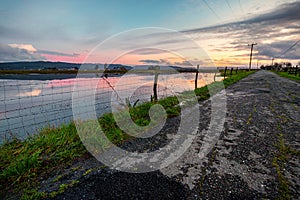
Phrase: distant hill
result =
(37, 65)
(41, 65)
(47, 65)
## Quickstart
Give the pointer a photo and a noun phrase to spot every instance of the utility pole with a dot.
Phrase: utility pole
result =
(251, 53)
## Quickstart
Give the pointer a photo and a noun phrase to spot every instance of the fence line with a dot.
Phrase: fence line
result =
(26, 106)
(294, 70)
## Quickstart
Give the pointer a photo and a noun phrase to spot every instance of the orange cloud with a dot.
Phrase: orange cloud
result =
(27, 47)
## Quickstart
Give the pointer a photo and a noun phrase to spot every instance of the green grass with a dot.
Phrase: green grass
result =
(283, 154)
(279, 161)
(22, 162)
(205, 92)
(289, 76)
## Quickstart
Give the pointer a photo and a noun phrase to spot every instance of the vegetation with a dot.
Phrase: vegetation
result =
(205, 92)
(283, 154)
(22, 162)
(279, 161)
(290, 76)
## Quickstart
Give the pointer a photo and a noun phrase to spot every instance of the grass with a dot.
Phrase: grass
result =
(22, 162)
(205, 92)
(278, 162)
(283, 154)
(289, 76)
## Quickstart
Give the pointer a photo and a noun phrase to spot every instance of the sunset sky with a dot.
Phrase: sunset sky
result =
(182, 31)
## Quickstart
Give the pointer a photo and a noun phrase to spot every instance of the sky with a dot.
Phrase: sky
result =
(170, 32)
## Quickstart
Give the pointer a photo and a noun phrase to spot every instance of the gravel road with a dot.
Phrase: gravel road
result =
(239, 165)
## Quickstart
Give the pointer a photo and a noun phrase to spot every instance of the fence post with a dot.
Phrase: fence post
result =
(196, 79)
(231, 71)
(215, 76)
(296, 70)
(155, 82)
(225, 72)
(236, 70)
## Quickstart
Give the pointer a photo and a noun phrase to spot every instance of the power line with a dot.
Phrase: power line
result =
(212, 10)
(241, 6)
(228, 4)
(288, 49)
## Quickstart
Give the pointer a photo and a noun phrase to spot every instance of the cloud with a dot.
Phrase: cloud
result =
(27, 52)
(148, 51)
(149, 61)
(14, 52)
(160, 61)
(57, 53)
(166, 62)
(284, 14)
(277, 50)
(183, 63)
(274, 31)
(27, 47)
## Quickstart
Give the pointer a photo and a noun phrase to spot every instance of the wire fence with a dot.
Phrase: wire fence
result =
(27, 106)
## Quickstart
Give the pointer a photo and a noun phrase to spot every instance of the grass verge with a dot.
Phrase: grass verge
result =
(22, 162)
(289, 76)
(284, 152)
(205, 92)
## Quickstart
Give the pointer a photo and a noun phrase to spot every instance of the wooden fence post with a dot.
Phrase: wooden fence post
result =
(296, 70)
(215, 76)
(225, 72)
(196, 79)
(236, 70)
(231, 71)
(155, 82)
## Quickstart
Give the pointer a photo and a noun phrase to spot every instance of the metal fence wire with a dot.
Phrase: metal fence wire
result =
(27, 106)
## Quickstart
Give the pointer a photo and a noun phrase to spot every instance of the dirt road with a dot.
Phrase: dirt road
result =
(256, 156)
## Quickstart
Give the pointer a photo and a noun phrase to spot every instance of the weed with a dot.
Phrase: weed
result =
(87, 172)
(249, 119)
(57, 178)
(33, 194)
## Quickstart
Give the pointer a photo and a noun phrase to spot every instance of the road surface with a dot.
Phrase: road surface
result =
(262, 126)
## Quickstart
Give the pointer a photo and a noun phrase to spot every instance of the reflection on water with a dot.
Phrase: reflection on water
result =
(35, 92)
(26, 106)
